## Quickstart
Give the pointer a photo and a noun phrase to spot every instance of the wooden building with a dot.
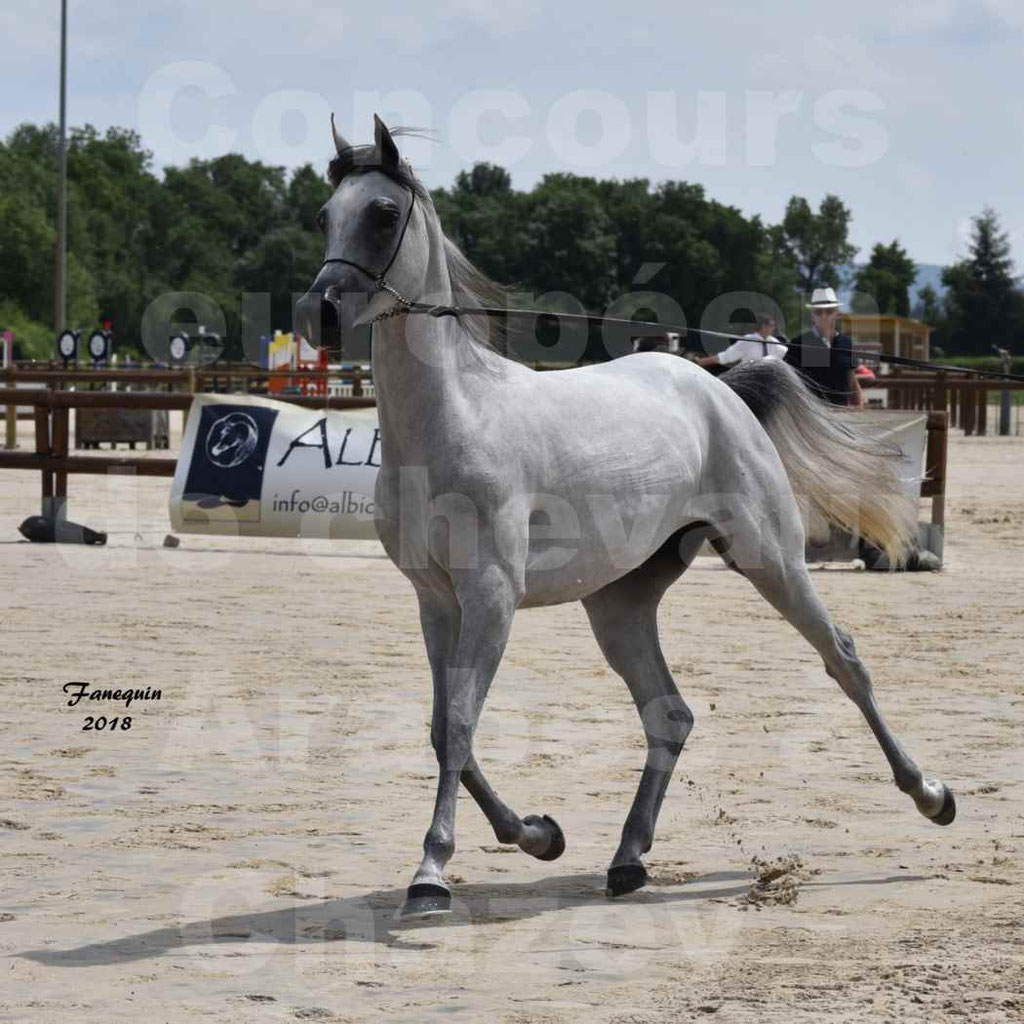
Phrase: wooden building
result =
(888, 334)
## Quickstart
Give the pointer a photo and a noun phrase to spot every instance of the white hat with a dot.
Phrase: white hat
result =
(823, 298)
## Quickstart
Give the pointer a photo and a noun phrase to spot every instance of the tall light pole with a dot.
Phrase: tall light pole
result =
(60, 271)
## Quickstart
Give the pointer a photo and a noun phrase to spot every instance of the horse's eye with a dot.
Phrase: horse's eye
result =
(321, 221)
(384, 212)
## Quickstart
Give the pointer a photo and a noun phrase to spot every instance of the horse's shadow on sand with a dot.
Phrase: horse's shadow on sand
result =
(372, 918)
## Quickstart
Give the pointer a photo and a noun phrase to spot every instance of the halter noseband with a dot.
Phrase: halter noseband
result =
(380, 281)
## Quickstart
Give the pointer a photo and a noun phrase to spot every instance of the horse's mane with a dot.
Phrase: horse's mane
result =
(470, 285)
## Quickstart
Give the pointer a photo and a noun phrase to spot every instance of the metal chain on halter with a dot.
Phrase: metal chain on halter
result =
(388, 314)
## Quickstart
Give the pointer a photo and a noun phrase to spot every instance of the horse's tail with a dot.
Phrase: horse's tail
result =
(845, 474)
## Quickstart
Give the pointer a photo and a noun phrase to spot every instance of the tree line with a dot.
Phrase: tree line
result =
(229, 225)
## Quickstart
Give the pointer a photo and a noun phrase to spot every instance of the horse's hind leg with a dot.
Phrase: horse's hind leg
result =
(774, 563)
(623, 616)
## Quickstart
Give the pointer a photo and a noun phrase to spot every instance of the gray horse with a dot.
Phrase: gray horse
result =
(503, 488)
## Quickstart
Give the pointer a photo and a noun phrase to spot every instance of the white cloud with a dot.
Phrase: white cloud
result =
(921, 16)
(843, 60)
(956, 22)
(501, 17)
(29, 30)
(950, 117)
(917, 181)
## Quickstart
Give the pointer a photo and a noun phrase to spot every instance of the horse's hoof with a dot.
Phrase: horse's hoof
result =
(556, 840)
(948, 810)
(425, 900)
(625, 878)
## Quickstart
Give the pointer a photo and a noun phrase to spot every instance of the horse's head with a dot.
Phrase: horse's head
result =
(375, 243)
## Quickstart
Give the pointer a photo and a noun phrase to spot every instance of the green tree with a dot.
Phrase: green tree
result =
(488, 222)
(307, 192)
(569, 241)
(484, 180)
(691, 235)
(778, 277)
(282, 264)
(817, 244)
(112, 196)
(599, 240)
(216, 227)
(983, 304)
(226, 226)
(28, 168)
(929, 306)
(884, 283)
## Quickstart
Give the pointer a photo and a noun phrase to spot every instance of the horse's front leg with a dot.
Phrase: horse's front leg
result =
(539, 836)
(487, 601)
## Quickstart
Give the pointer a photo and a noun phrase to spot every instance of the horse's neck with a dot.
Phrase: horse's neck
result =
(428, 369)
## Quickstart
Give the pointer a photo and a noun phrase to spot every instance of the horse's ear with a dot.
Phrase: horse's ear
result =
(385, 144)
(339, 143)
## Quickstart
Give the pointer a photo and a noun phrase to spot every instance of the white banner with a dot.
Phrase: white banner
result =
(905, 429)
(251, 466)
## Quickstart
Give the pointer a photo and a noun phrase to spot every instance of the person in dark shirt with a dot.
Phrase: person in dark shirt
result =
(825, 359)
(824, 356)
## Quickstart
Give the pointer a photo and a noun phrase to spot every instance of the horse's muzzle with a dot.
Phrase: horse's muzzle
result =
(317, 320)
(328, 312)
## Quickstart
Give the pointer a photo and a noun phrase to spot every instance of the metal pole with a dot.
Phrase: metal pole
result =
(1005, 401)
(11, 440)
(60, 271)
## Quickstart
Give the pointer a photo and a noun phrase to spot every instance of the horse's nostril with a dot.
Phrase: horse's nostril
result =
(330, 326)
(317, 318)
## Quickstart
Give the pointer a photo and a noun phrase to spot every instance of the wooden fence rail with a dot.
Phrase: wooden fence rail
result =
(966, 399)
(188, 380)
(51, 411)
(193, 378)
(51, 457)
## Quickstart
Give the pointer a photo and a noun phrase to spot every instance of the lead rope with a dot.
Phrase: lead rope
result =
(653, 329)
(407, 306)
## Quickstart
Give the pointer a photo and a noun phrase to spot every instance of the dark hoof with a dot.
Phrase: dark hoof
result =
(626, 878)
(556, 842)
(948, 811)
(425, 900)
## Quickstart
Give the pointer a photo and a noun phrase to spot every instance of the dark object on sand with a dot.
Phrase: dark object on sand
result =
(44, 530)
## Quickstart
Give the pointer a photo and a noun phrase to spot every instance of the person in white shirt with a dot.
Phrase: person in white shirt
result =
(759, 344)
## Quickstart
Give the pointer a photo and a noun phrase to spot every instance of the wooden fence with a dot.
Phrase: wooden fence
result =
(963, 402)
(228, 379)
(51, 410)
(965, 398)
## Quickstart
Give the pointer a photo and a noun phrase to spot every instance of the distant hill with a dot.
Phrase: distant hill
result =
(928, 273)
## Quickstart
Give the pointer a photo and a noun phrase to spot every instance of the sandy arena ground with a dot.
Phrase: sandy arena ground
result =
(238, 854)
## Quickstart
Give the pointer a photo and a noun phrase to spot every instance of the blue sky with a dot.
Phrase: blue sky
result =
(910, 111)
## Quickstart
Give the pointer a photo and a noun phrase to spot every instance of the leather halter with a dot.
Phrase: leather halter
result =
(380, 280)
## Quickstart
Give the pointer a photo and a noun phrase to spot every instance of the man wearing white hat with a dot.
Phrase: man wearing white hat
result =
(824, 356)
